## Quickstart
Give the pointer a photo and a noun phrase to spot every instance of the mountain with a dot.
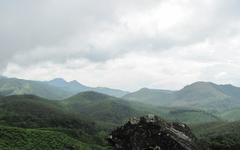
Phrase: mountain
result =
(72, 86)
(201, 95)
(34, 118)
(101, 107)
(73, 112)
(111, 92)
(14, 86)
(32, 111)
(150, 96)
(56, 89)
(114, 111)
(82, 120)
(76, 87)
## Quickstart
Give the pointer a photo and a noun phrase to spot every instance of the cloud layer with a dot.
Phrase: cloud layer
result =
(129, 45)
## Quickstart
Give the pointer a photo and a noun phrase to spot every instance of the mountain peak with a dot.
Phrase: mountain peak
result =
(75, 82)
(58, 80)
(144, 89)
(200, 84)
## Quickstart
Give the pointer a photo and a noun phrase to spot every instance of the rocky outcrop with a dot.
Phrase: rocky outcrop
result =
(152, 133)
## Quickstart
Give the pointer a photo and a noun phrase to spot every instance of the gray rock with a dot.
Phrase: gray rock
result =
(152, 133)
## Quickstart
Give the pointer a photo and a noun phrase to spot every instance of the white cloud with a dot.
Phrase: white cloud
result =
(129, 45)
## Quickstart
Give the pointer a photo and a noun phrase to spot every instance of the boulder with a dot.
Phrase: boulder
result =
(152, 133)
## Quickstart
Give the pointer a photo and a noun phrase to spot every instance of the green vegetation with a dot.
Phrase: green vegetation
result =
(56, 89)
(37, 114)
(192, 116)
(178, 114)
(231, 115)
(100, 107)
(35, 139)
(218, 135)
(13, 86)
(150, 96)
(200, 95)
(83, 121)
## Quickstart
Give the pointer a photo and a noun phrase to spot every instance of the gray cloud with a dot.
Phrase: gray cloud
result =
(27, 25)
(57, 32)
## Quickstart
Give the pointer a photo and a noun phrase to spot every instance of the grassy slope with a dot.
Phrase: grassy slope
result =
(32, 111)
(218, 135)
(186, 115)
(231, 115)
(35, 111)
(100, 107)
(150, 96)
(199, 95)
(35, 139)
(29, 111)
(73, 117)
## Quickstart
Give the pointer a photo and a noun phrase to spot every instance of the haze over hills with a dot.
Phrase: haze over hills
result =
(55, 89)
(14, 86)
(40, 122)
(200, 95)
(90, 106)
(76, 87)
(83, 120)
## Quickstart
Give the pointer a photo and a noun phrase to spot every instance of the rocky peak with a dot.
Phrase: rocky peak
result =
(152, 133)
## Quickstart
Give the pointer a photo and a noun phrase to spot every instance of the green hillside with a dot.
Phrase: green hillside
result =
(231, 115)
(31, 112)
(14, 86)
(191, 116)
(85, 118)
(200, 95)
(56, 89)
(100, 107)
(12, 138)
(88, 106)
(150, 96)
(218, 135)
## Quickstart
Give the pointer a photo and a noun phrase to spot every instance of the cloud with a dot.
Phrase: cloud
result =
(169, 43)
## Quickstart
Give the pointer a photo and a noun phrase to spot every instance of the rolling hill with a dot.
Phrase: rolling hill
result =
(40, 139)
(35, 112)
(230, 115)
(79, 111)
(82, 120)
(150, 96)
(76, 87)
(100, 107)
(200, 95)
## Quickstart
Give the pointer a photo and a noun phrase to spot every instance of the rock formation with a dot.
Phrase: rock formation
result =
(152, 133)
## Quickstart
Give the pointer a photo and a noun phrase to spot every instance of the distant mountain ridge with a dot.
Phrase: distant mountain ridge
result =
(76, 87)
(201, 95)
(54, 89)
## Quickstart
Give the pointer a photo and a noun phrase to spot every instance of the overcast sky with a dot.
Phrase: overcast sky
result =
(126, 44)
